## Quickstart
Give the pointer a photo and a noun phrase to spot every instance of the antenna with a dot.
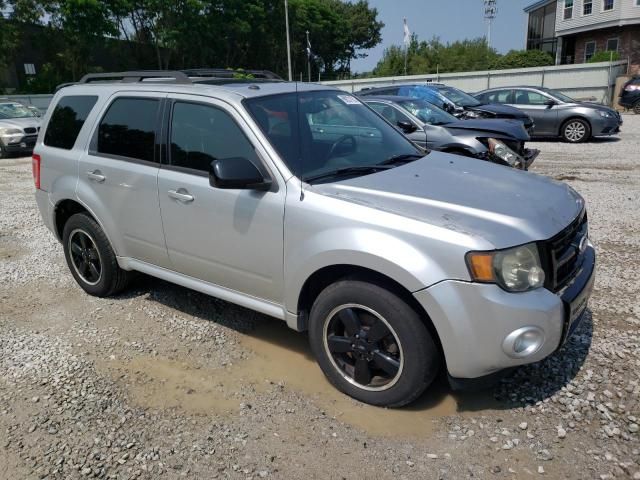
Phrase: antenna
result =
(490, 12)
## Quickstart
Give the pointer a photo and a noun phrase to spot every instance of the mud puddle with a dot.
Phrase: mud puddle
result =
(281, 355)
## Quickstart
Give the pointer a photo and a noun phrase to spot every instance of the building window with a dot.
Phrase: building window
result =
(587, 7)
(612, 45)
(589, 50)
(608, 5)
(568, 9)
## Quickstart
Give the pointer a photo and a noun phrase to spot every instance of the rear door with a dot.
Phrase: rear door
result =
(118, 175)
(228, 237)
(534, 104)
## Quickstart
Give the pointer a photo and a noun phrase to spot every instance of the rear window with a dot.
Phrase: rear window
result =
(128, 128)
(67, 120)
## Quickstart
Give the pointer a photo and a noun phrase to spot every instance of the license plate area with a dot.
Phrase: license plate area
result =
(578, 306)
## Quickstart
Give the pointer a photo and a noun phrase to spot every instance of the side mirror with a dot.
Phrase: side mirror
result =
(407, 127)
(237, 173)
(550, 102)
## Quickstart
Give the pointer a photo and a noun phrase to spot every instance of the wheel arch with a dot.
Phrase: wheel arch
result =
(327, 275)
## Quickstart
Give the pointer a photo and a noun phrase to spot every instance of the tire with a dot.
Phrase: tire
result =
(575, 130)
(2, 152)
(388, 369)
(636, 108)
(91, 259)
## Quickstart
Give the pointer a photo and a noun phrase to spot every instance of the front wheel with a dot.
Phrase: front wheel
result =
(371, 344)
(636, 108)
(576, 130)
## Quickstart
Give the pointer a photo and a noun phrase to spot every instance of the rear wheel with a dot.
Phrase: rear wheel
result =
(636, 108)
(90, 257)
(576, 130)
(371, 344)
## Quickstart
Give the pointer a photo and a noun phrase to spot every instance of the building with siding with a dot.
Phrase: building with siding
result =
(574, 30)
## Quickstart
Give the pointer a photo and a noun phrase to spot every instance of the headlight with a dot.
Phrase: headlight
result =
(472, 114)
(11, 135)
(516, 269)
(500, 150)
(604, 114)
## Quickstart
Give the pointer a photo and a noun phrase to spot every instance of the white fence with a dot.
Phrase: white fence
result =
(583, 81)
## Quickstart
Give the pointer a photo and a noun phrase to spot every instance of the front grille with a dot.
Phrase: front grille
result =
(563, 252)
(30, 130)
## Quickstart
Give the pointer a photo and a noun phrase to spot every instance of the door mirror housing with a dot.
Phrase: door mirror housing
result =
(237, 173)
(407, 127)
(550, 102)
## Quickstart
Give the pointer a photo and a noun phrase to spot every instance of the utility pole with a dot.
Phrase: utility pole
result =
(308, 57)
(286, 19)
(490, 12)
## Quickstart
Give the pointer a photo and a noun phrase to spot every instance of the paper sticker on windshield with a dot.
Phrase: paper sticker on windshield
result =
(349, 100)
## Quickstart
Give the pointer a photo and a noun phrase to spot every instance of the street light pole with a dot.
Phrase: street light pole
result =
(286, 18)
(308, 57)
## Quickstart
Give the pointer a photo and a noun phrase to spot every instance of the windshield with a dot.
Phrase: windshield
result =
(324, 131)
(459, 97)
(560, 96)
(427, 112)
(15, 110)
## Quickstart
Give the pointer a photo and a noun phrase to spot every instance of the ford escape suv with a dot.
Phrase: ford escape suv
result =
(300, 202)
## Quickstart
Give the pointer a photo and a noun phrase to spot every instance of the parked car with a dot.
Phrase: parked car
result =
(19, 126)
(300, 202)
(630, 95)
(452, 100)
(556, 114)
(498, 141)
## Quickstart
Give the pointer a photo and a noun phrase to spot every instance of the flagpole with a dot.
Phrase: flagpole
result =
(308, 57)
(286, 19)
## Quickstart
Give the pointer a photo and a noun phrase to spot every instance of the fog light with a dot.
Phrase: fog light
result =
(523, 342)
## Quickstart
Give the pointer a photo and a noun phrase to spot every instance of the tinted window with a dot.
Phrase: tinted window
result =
(390, 113)
(525, 97)
(128, 128)
(201, 134)
(67, 120)
(500, 96)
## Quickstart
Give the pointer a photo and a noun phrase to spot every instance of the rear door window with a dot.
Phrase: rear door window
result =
(67, 119)
(128, 128)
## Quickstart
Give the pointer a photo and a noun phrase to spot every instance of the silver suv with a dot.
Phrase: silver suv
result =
(298, 201)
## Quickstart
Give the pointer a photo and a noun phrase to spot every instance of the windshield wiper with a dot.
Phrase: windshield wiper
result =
(347, 171)
(402, 158)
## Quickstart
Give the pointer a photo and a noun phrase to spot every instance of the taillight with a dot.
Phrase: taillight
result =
(35, 166)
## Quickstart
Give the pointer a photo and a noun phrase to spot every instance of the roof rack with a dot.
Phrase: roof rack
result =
(136, 76)
(228, 73)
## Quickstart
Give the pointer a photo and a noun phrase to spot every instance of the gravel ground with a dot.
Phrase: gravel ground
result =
(162, 382)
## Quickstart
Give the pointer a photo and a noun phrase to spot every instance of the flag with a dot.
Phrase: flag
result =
(407, 34)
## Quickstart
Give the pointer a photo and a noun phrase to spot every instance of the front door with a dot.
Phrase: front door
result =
(118, 176)
(535, 105)
(230, 238)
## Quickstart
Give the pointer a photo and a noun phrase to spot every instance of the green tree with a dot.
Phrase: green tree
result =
(523, 59)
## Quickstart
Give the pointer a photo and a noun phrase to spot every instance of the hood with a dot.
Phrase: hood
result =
(20, 122)
(504, 111)
(486, 127)
(596, 106)
(503, 206)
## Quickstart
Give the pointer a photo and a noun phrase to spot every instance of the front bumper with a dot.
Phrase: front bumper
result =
(24, 146)
(606, 126)
(474, 321)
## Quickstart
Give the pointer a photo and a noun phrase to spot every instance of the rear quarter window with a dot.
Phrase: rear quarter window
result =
(67, 119)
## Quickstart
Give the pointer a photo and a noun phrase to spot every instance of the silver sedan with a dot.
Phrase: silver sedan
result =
(556, 114)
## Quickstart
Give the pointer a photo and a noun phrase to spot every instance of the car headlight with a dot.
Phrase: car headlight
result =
(472, 114)
(500, 150)
(604, 114)
(11, 135)
(515, 269)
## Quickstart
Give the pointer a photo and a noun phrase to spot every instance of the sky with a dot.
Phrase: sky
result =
(448, 19)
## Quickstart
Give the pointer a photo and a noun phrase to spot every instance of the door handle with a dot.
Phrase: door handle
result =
(96, 176)
(181, 196)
